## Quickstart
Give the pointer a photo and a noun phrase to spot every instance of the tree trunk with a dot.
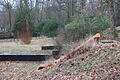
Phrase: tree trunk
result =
(68, 11)
(10, 20)
(101, 7)
(82, 4)
(92, 6)
(117, 17)
(36, 12)
(111, 12)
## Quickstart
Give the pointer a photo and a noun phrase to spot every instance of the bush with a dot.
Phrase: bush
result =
(98, 24)
(114, 31)
(37, 29)
(47, 28)
(73, 25)
(24, 18)
(73, 30)
(85, 24)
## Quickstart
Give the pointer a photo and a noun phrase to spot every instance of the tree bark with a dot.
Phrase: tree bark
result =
(101, 7)
(92, 5)
(36, 11)
(111, 12)
(117, 17)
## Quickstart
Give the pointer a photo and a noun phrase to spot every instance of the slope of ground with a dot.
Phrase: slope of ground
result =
(100, 63)
(108, 34)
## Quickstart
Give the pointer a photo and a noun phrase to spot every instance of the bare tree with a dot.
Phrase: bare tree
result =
(117, 12)
(82, 4)
(101, 7)
(111, 12)
(8, 6)
(92, 5)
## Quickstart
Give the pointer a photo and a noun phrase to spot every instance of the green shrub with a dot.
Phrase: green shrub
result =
(85, 24)
(50, 28)
(73, 25)
(37, 29)
(99, 23)
(114, 31)
(73, 30)
(47, 28)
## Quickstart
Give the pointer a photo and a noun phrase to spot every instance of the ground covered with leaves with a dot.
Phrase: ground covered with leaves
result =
(100, 63)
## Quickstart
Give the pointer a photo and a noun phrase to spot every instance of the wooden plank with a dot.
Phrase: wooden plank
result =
(24, 57)
(49, 47)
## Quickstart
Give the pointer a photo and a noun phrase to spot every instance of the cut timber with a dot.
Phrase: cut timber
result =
(70, 54)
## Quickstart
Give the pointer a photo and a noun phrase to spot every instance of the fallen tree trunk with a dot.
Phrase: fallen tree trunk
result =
(70, 54)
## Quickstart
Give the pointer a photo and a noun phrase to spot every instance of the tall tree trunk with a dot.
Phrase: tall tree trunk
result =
(101, 7)
(9, 9)
(82, 3)
(36, 11)
(117, 17)
(10, 20)
(68, 10)
(72, 7)
(111, 12)
(92, 5)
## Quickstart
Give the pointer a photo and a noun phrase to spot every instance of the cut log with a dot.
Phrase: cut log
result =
(70, 54)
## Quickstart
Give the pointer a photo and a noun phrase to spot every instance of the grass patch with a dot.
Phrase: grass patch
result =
(35, 45)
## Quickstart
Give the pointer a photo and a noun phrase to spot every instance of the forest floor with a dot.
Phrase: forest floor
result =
(100, 63)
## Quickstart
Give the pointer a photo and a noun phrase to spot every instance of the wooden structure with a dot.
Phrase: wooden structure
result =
(5, 35)
(55, 50)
